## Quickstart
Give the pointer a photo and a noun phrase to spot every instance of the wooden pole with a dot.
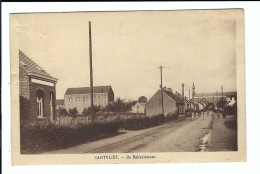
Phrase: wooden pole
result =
(183, 109)
(162, 89)
(91, 72)
(222, 91)
(189, 98)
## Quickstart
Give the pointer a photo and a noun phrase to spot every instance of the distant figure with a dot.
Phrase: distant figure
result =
(202, 114)
(197, 115)
(192, 115)
(224, 114)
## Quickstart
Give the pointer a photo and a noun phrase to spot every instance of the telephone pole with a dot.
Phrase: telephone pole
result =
(160, 67)
(189, 98)
(183, 109)
(222, 91)
(182, 86)
(91, 72)
(217, 98)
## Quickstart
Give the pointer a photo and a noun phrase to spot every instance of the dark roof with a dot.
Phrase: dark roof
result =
(181, 98)
(60, 102)
(173, 96)
(86, 90)
(134, 102)
(233, 93)
(30, 66)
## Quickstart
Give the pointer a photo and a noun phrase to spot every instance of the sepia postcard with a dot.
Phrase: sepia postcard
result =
(128, 87)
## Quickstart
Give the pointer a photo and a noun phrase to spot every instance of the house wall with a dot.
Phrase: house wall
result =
(33, 87)
(186, 106)
(181, 109)
(154, 105)
(24, 93)
(78, 101)
(201, 106)
(138, 108)
(59, 106)
(111, 96)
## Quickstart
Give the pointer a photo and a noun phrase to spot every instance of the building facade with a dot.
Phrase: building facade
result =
(171, 103)
(212, 98)
(139, 107)
(37, 91)
(80, 98)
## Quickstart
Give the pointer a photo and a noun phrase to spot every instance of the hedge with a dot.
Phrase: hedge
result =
(138, 123)
(171, 116)
(41, 135)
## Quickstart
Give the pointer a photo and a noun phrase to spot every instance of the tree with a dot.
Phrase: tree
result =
(73, 112)
(62, 111)
(142, 99)
(118, 106)
(88, 111)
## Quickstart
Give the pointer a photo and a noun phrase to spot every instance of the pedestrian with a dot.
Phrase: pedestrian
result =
(192, 115)
(197, 115)
(202, 114)
(224, 114)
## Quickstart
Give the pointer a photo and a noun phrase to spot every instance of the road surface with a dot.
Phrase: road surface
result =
(180, 136)
(184, 136)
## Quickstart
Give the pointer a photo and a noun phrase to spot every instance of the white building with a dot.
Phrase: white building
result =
(139, 107)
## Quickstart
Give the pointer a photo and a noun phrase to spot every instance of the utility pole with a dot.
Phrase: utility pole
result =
(222, 90)
(183, 109)
(189, 98)
(182, 86)
(217, 98)
(160, 67)
(91, 72)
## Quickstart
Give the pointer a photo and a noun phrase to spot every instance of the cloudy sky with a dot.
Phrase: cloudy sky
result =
(129, 47)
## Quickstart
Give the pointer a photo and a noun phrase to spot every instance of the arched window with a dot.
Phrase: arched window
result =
(40, 97)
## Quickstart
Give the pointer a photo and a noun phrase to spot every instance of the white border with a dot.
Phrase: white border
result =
(252, 35)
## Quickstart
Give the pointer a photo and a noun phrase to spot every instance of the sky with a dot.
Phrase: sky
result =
(128, 48)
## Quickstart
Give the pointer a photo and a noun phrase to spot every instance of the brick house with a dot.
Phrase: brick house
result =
(171, 103)
(37, 91)
(79, 98)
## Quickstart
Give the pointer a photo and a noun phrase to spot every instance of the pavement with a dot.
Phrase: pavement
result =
(224, 134)
(182, 135)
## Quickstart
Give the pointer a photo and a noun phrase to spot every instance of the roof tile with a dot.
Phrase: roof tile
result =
(86, 90)
(30, 66)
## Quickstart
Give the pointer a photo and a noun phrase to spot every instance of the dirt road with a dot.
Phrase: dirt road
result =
(178, 136)
(182, 136)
